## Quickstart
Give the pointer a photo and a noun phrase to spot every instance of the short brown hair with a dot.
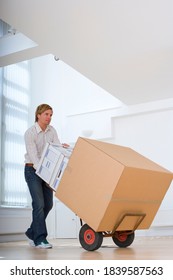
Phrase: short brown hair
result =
(42, 108)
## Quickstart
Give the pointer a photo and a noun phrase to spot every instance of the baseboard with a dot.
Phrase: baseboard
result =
(156, 231)
(14, 221)
(12, 237)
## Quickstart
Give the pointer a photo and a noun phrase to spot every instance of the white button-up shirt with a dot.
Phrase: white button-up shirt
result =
(35, 141)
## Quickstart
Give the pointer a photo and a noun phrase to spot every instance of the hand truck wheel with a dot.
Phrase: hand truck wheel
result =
(123, 239)
(89, 239)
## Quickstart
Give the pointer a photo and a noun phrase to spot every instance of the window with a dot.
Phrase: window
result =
(14, 116)
(14, 108)
(14, 121)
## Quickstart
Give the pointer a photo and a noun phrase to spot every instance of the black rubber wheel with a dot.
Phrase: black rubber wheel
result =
(89, 239)
(123, 239)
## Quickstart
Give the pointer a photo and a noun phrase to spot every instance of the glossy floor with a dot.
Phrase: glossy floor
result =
(150, 248)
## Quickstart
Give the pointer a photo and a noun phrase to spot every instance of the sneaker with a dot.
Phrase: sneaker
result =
(31, 243)
(44, 245)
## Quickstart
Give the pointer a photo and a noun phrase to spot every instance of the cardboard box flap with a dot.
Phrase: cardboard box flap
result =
(126, 156)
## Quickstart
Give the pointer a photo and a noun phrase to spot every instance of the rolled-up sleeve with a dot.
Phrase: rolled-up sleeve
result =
(31, 148)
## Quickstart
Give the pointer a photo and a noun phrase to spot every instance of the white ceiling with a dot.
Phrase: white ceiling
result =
(124, 46)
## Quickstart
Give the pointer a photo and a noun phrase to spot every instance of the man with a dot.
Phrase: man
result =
(42, 196)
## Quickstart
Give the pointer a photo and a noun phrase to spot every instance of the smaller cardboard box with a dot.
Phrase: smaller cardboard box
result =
(52, 164)
(111, 187)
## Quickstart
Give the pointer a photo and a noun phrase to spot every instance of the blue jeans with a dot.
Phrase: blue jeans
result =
(42, 203)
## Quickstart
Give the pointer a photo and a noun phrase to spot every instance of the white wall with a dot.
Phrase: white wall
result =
(83, 109)
(68, 92)
(150, 133)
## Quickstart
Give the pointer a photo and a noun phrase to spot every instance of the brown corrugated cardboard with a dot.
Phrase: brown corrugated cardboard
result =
(103, 182)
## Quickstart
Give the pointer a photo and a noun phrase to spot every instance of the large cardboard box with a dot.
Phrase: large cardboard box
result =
(103, 182)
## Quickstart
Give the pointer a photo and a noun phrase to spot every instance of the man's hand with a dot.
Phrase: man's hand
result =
(65, 145)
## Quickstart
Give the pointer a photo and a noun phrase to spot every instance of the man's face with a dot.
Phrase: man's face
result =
(45, 117)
